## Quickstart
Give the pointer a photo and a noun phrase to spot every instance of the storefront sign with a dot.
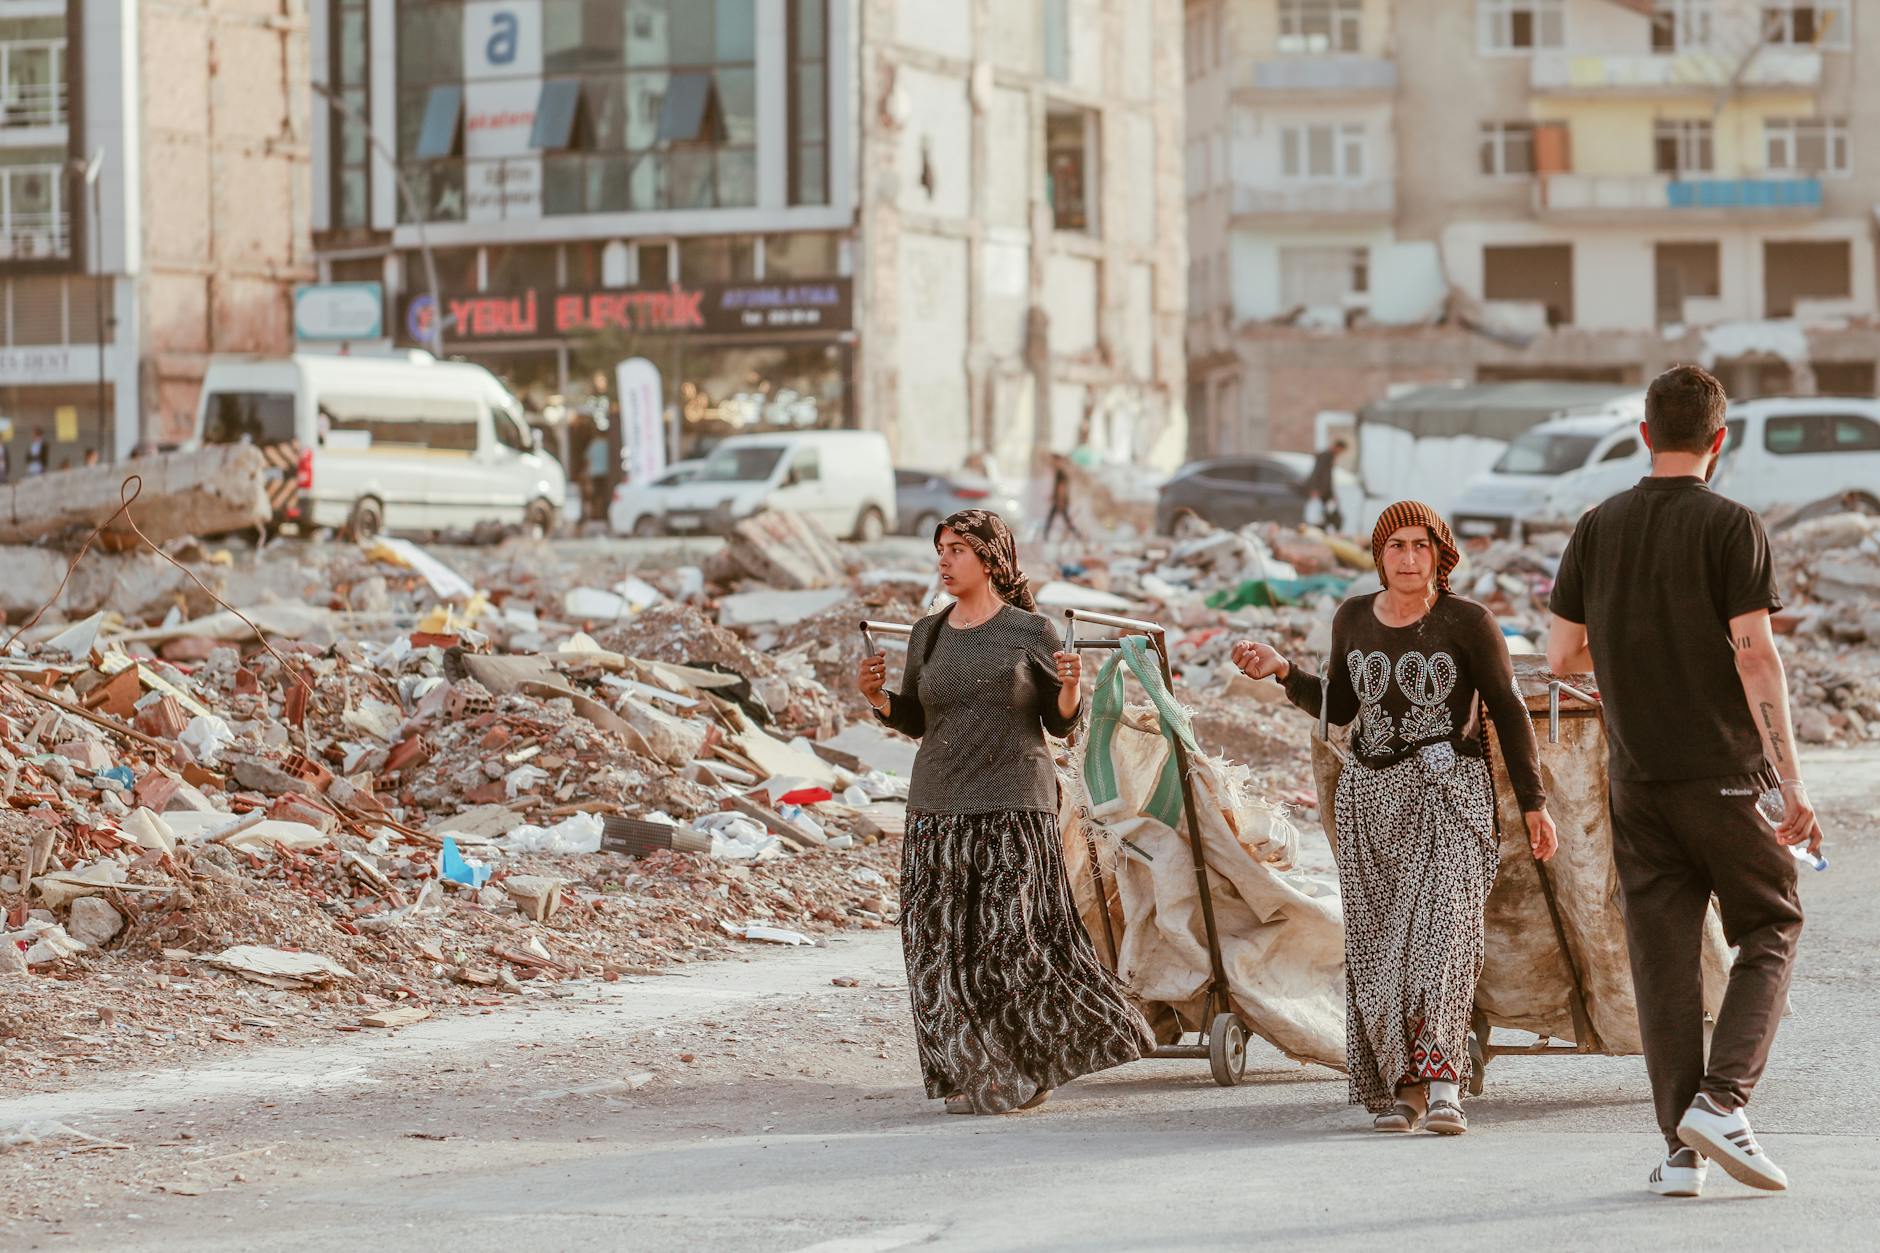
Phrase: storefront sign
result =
(737, 308)
(339, 311)
(502, 60)
(28, 367)
(642, 424)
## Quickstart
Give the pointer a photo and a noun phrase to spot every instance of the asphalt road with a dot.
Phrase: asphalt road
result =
(758, 1106)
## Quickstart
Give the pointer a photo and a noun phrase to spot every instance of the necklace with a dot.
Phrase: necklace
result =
(979, 621)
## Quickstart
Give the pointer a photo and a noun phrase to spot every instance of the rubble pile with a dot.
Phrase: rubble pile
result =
(418, 793)
(1829, 570)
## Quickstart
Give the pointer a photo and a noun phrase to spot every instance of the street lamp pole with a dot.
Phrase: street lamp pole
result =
(378, 145)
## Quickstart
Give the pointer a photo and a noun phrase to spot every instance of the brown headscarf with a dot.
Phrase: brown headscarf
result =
(1416, 513)
(991, 540)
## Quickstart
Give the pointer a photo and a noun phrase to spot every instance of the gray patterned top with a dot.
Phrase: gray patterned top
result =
(980, 701)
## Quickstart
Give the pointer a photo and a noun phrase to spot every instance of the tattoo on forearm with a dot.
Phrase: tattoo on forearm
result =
(1742, 643)
(1768, 711)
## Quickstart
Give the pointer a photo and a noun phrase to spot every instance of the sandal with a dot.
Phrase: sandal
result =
(1037, 1098)
(1446, 1119)
(959, 1103)
(1401, 1118)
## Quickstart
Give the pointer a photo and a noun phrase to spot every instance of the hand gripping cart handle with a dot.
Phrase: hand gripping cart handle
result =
(1224, 1040)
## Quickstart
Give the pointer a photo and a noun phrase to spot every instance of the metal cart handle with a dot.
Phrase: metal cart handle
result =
(1554, 689)
(871, 629)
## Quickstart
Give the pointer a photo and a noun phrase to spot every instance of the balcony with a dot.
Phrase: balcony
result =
(1340, 204)
(1327, 77)
(24, 106)
(1657, 74)
(1627, 197)
(35, 237)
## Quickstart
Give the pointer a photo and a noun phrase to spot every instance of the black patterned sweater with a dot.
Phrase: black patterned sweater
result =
(980, 701)
(1416, 685)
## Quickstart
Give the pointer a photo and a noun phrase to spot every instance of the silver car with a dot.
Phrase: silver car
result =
(923, 499)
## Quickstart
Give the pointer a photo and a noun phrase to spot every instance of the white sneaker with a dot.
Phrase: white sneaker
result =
(1726, 1137)
(1681, 1174)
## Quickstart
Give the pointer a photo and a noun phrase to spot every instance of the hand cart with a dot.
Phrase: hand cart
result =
(1223, 1040)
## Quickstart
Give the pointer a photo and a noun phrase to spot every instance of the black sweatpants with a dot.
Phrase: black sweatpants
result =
(1676, 843)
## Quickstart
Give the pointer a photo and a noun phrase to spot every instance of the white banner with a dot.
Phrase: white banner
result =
(502, 64)
(642, 420)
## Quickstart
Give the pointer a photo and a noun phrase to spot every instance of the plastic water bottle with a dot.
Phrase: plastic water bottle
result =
(1770, 805)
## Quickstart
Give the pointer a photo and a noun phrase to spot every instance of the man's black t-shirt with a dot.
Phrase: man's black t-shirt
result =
(1655, 574)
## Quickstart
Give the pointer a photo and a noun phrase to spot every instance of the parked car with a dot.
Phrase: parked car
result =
(376, 444)
(1233, 492)
(843, 479)
(1518, 486)
(1790, 450)
(640, 508)
(924, 499)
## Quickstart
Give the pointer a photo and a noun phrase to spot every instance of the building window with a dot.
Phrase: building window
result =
(1809, 23)
(1057, 40)
(1684, 272)
(809, 101)
(1071, 167)
(1807, 146)
(1798, 270)
(1318, 27)
(1520, 25)
(1508, 149)
(1531, 274)
(1323, 152)
(1682, 146)
(718, 259)
(803, 254)
(34, 224)
(1678, 25)
(32, 72)
(350, 183)
(1324, 277)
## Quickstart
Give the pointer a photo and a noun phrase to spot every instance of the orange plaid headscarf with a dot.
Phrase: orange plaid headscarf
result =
(1416, 513)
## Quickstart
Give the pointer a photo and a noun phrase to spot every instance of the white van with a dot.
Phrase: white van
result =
(1779, 451)
(1520, 486)
(384, 443)
(842, 479)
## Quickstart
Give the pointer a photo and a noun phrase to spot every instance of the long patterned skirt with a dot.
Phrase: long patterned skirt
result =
(1417, 855)
(1009, 995)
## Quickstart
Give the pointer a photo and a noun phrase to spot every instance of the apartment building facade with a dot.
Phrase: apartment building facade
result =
(153, 186)
(1588, 189)
(804, 213)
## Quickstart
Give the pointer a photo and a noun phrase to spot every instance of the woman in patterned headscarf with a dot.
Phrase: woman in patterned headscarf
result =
(1009, 998)
(1415, 813)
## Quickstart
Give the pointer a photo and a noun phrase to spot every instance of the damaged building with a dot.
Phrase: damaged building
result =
(1386, 193)
(935, 220)
(153, 210)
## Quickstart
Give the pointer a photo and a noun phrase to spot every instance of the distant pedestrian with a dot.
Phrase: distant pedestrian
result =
(91, 456)
(1664, 593)
(598, 456)
(36, 453)
(1060, 499)
(6, 462)
(1420, 669)
(1322, 484)
(1009, 997)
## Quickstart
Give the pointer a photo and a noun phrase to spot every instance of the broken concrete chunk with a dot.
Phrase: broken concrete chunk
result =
(538, 896)
(94, 921)
(397, 1016)
(278, 968)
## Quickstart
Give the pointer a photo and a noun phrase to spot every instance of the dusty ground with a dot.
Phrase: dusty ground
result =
(767, 1104)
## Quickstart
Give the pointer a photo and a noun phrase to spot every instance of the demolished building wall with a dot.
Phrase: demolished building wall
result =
(1036, 331)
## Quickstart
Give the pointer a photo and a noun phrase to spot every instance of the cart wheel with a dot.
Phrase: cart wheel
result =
(1478, 1064)
(1227, 1049)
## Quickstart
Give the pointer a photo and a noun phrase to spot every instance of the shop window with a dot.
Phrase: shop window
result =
(1071, 167)
(521, 267)
(720, 259)
(804, 254)
(655, 264)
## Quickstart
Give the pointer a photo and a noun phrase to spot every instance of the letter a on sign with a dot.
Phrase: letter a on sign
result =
(501, 49)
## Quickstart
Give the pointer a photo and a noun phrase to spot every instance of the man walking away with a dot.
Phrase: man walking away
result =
(36, 453)
(1321, 484)
(1665, 592)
